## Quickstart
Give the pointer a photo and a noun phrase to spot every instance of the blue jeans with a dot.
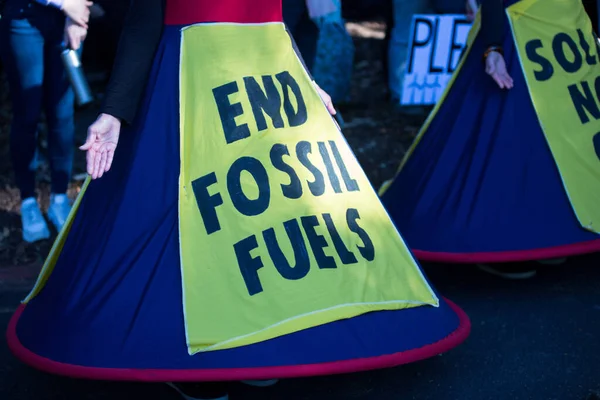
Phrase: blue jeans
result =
(398, 45)
(30, 46)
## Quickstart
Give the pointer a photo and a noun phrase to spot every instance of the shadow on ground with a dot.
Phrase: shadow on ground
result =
(535, 339)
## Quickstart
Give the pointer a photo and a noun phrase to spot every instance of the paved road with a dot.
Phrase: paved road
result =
(537, 339)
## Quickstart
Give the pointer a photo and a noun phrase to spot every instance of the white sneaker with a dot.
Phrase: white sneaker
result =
(509, 270)
(33, 222)
(552, 261)
(59, 210)
(188, 397)
(264, 383)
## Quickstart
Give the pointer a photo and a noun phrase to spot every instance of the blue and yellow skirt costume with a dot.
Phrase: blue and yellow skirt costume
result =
(503, 176)
(235, 236)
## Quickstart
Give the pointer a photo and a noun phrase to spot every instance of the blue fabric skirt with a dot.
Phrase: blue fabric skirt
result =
(481, 184)
(112, 307)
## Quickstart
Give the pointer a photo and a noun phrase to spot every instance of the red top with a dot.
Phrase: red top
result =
(187, 12)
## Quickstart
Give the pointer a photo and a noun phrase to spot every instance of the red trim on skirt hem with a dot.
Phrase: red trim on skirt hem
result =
(568, 250)
(235, 374)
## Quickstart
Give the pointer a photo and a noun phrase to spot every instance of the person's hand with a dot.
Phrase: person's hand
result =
(472, 8)
(101, 142)
(326, 100)
(78, 11)
(74, 34)
(496, 68)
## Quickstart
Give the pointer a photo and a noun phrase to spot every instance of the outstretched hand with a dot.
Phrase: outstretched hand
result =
(103, 137)
(101, 143)
(496, 68)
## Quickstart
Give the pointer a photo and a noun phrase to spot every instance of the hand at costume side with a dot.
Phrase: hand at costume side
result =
(101, 143)
(496, 68)
(326, 100)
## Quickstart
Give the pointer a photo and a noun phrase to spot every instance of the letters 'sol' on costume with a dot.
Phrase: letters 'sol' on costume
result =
(503, 176)
(236, 236)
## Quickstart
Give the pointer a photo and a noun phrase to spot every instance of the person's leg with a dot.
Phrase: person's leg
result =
(22, 52)
(399, 41)
(59, 107)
